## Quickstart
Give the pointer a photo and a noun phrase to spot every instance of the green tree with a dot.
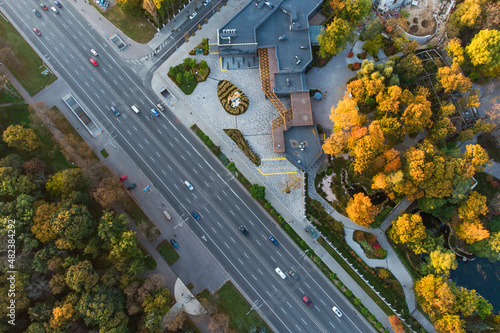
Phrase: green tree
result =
(373, 45)
(81, 277)
(353, 11)
(111, 226)
(335, 37)
(484, 52)
(441, 262)
(372, 29)
(409, 68)
(131, 7)
(125, 246)
(102, 307)
(67, 181)
(21, 138)
(13, 184)
(73, 224)
(258, 192)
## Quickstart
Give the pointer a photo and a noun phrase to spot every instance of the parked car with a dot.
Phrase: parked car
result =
(205, 3)
(280, 273)
(244, 230)
(94, 52)
(58, 4)
(193, 15)
(122, 178)
(44, 6)
(189, 186)
(307, 301)
(37, 13)
(196, 216)
(154, 112)
(160, 107)
(174, 244)
(93, 62)
(272, 239)
(131, 187)
(36, 31)
(337, 311)
(311, 231)
(115, 111)
(293, 274)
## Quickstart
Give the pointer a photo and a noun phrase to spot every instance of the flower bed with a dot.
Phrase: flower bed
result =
(370, 245)
(237, 137)
(233, 100)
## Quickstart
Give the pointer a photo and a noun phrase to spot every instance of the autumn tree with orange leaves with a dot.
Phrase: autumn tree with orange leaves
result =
(361, 210)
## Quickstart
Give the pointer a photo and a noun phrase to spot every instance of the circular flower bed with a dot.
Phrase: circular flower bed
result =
(233, 100)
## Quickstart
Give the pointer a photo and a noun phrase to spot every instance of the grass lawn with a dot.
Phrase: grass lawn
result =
(232, 303)
(167, 252)
(137, 28)
(49, 151)
(6, 97)
(25, 65)
(188, 88)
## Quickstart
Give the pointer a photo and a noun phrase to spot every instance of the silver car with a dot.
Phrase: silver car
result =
(280, 273)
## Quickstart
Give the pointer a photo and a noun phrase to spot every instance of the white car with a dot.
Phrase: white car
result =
(188, 184)
(192, 16)
(280, 273)
(337, 311)
(205, 3)
(136, 110)
(94, 52)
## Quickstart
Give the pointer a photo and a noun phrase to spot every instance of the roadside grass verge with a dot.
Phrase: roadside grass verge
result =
(167, 252)
(137, 28)
(24, 63)
(7, 97)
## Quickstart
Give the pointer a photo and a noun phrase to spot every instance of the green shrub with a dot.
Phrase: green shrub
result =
(341, 284)
(348, 293)
(268, 205)
(378, 325)
(258, 192)
(333, 276)
(372, 317)
(357, 301)
(364, 311)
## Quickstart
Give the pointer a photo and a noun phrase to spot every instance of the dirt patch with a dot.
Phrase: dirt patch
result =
(421, 17)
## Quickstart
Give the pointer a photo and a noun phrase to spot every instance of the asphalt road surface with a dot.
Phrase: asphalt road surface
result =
(168, 154)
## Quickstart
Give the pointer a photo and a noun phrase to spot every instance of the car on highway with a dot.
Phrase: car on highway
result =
(136, 110)
(196, 216)
(272, 239)
(154, 112)
(293, 274)
(193, 15)
(54, 9)
(189, 186)
(131, 187)
(37, 13)
(160, 107)
(44, 6)
(93, 62)
(36, 31)
(280, 273)
(115, 111)
(205, 3)
(337, 311)
(244, 230)
(122, 178)
(307, 301)
(94, 52)
(58, 4)
(174, 244)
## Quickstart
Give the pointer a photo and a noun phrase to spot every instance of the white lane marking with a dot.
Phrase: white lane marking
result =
(163, 172)
(218, 197)
(170, 143)
(226, 245)
(298, 327)
(332, 324)
(196, 172)
(141, 146)
(208, 176)
(240, 261)
(135, 128)
(215, 231)
(233, 240)
(289, 305)
(177, 187)
(283, 310)
(224, 193)
(129, 132)
(160, 132)
(322, 301)
(183, 157)
(157, 153)
(244, 253)
(269, 293)
(273, 259)
(237, 207)
(206, 183)
(305, 323)
(302, 291)
(220, 225)
(260, 271)
(258, 242)
(255, 278)
(146, 141)
(168, 166)
(274, 287)
(231, 212)
(88, 85)
(317, 308)
(175, 138)
(152, 159)
(279, 254)
(188, 200)
(251, 222)
(187, 151)
(308, 286)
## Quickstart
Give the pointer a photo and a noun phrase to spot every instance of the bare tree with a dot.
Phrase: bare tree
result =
(219, 322)
(4, 86)
(177, 322)
(291, 182)
(493, 115)
(46, 115)
(210, 304)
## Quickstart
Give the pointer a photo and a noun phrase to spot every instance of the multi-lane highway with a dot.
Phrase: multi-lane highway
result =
(168, 154)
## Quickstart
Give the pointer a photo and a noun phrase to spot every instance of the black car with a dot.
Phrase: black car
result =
(37, 13)
(244, 230)
(131, 187)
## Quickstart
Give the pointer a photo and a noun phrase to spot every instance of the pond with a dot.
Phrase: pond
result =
(483, 276)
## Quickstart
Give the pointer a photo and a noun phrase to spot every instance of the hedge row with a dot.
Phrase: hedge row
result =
(237, 137)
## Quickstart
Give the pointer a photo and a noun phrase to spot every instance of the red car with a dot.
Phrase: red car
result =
(122, 178)
(37, 32)
(93, 62)
(44, 6)
(307, 301)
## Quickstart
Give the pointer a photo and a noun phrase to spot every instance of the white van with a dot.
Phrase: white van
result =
(167, 215)
(136, 110)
